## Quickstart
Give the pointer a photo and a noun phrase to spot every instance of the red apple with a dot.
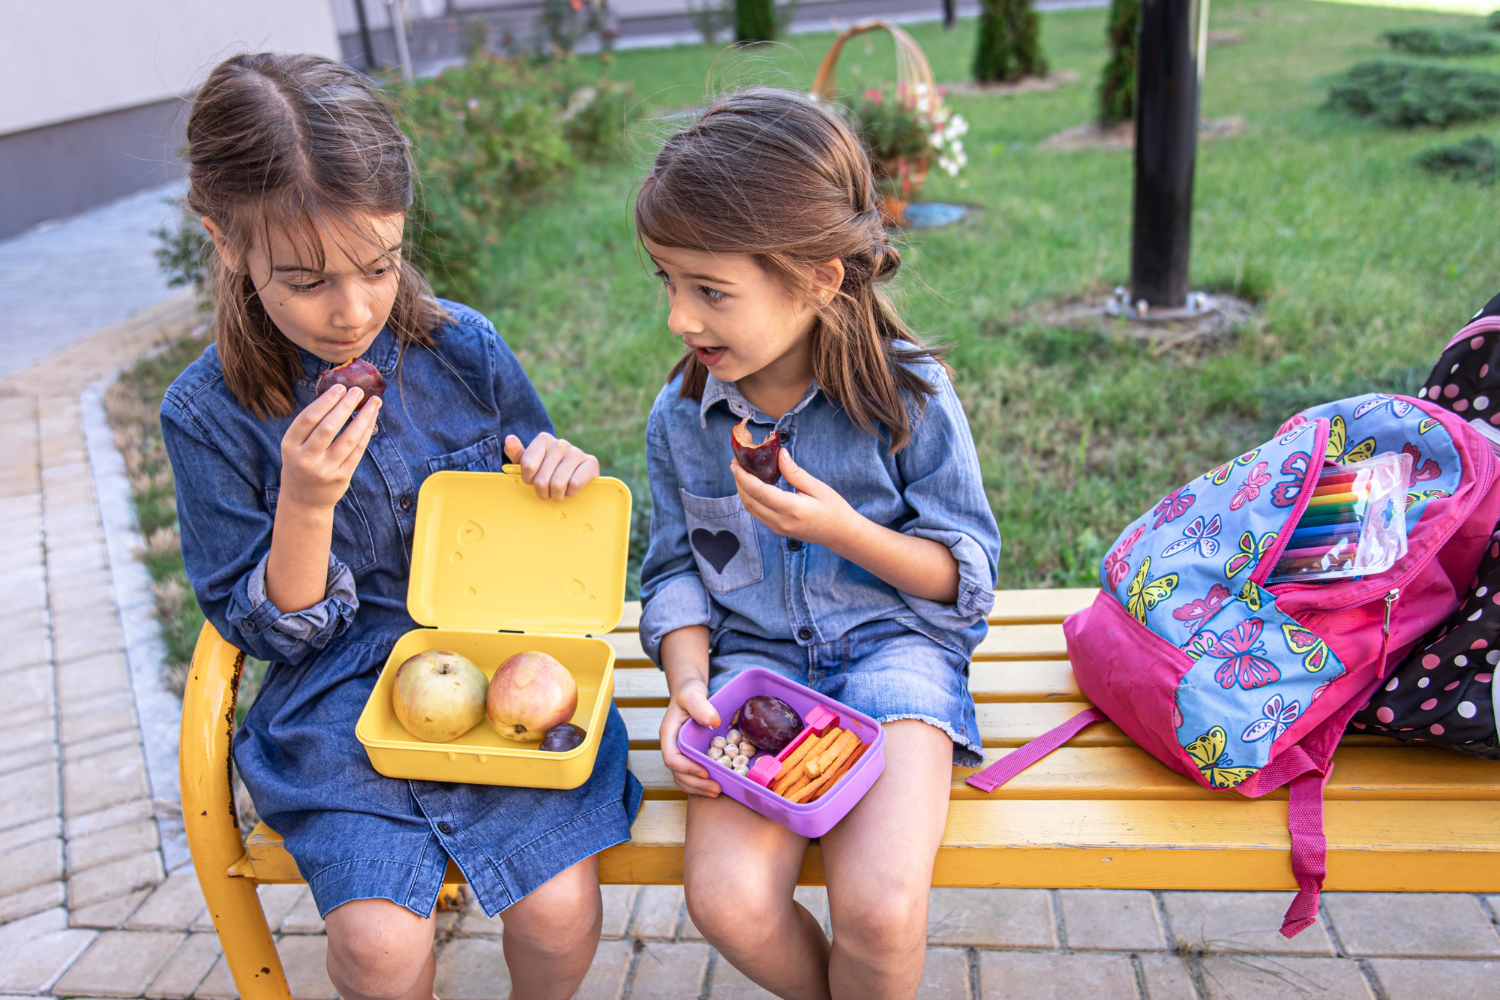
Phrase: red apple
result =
(529, 694)
(438, 695)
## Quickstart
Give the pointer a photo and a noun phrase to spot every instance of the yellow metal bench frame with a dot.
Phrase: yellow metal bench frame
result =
(1099, 813)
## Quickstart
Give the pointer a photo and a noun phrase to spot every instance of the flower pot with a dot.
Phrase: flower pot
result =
(898, 182)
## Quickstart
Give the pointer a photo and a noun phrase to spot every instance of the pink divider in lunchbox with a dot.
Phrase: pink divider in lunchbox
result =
(810, 819)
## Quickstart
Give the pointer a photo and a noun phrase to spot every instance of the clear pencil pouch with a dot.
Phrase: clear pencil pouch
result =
(1354, 525)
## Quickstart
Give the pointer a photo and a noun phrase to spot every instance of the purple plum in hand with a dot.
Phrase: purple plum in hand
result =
(760, 460)
(357, 373)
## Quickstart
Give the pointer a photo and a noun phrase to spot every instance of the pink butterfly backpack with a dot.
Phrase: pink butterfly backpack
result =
(1239, 684)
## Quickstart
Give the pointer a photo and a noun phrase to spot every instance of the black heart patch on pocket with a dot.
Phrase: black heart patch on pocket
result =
(718, 547)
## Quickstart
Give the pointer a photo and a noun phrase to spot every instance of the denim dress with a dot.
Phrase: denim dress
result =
(354, 833)
(798, 608)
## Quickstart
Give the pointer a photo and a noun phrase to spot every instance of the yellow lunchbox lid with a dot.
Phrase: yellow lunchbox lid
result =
(489, 554)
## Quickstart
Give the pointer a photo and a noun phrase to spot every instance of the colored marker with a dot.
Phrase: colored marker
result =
(1302, 539)
(1328, 499)
(1351, 506)
(1338, 477)
(1323, 516)
(1334, 489)
(1318, 551)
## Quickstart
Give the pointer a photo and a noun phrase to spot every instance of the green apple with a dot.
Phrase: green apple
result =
(439, 695)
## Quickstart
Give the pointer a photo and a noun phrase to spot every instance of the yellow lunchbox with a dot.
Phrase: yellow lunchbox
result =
(495, 570)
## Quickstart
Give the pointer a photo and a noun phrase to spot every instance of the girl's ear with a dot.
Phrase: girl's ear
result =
(828, 278)
(221, 243)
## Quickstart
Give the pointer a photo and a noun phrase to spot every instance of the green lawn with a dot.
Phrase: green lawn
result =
(1365, 265)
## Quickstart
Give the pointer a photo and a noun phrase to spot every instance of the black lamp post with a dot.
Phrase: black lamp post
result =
(1166, 139)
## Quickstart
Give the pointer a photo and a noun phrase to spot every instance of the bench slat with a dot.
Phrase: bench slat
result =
(1423, 773)
(1004, 642)
(1021, 680)
(1001, 724)
(1012, 607)
(1151, 844)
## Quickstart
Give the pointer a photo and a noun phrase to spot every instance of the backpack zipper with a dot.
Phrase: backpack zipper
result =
(1390, 602)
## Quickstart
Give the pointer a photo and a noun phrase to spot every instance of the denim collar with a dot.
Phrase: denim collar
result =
(382, 353)
(715, 391)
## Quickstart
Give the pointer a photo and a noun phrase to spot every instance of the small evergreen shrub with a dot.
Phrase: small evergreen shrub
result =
(754, 20)
(1493, 21)
(1117, 84)
(1009, 42)
(1434, 42)
(1471, 160)
(1411, 94)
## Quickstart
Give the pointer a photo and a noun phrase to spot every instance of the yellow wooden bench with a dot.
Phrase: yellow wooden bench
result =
(1099, 813)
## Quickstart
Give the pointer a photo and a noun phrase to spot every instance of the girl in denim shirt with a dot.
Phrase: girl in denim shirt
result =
(866, 573)
(297, 521)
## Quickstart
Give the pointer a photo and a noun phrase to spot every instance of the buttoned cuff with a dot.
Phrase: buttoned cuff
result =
(678, 603)
(976, 580)
(295, 634)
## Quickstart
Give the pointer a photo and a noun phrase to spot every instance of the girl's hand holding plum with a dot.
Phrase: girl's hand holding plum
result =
(322, 447)
(816, 513)
(554, 467)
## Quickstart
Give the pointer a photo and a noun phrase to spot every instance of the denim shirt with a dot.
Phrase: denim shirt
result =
(233, 461)
(711, 563)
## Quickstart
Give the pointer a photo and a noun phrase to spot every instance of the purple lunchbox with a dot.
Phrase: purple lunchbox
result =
(810, 819)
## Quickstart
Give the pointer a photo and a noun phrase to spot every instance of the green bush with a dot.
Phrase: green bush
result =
(182, 254)
(1117, 84)
(487, 135)
(1471, 160)
(1411, 94)
(1435, 42)
(1009, 42)
(1493, 21)
(754, 20)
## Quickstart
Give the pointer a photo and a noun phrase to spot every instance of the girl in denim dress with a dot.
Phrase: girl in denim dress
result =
(866, 573)
(297, 513)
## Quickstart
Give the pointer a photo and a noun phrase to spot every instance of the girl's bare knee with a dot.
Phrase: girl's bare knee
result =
(880, 922)
(376, 948)
(563, 915)
(735, 905)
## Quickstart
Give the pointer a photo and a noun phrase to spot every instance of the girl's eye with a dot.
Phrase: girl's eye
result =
(294, 286)
(662, 276)
(712, 294)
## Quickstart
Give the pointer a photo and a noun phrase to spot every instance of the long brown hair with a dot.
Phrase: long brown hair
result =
(779, 177)
(293, 142)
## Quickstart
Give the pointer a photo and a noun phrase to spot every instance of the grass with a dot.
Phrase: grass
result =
(1363, 265)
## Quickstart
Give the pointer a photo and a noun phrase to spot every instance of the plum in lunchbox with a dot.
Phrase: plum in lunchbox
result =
(809, 782)
(497, 571)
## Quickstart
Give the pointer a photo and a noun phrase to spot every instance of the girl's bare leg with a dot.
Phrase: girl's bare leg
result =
(551, 935)
(878, 861)
(380, 951)
(739, 870)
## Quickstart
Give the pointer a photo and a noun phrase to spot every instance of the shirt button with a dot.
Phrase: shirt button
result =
(794, 545)
(804, 633)
(445, 828)
(406, 502)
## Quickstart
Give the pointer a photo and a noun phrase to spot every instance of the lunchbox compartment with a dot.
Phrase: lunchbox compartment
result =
(810, 819)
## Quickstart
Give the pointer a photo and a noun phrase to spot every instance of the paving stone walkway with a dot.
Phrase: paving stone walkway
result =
(94, 902)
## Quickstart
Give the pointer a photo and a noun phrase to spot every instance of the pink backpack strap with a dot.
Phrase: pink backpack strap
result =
(1016, 761)
(1309, 849)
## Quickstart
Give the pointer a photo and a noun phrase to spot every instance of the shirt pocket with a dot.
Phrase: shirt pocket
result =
(353, 542)
(722, 536)
(482, 456)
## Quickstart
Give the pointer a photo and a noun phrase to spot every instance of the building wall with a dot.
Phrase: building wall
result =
(91, 90)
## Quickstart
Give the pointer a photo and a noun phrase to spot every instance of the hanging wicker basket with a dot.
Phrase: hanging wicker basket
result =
(915, 87)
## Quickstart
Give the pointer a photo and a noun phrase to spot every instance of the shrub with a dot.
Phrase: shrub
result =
(1117, 84)
(1433, 42)
(1009, 46)
(1410, 94)
(1493, 21)
(710, 18)
(485, 136)
(1471, 160)
(183, 252)
(754, 20)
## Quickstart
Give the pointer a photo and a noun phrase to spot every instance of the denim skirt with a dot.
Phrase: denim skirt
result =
(882, 668)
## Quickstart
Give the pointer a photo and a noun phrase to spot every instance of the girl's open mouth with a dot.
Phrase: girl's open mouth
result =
(709, 355)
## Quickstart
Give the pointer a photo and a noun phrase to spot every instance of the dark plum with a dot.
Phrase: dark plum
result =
(560, 739)
(757, 459)
(769, 723)
(357, 373)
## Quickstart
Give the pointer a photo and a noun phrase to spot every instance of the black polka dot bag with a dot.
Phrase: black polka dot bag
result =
(1444, 691)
